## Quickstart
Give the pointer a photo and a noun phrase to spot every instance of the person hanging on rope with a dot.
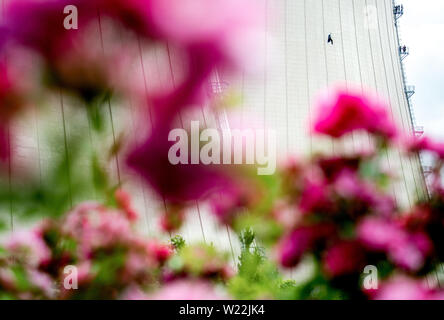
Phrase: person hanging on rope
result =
(330, 39)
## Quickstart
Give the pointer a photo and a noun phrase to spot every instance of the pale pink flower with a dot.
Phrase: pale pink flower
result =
(134, 293)
(379, 234)
(402, 288)
(406, 250)
(29, 247)
(95, 226)
(189, 290)
(43, 282)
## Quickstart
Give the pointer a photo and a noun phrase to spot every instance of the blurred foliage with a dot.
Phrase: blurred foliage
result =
(75, 170)
(178, 242)
(257, 277)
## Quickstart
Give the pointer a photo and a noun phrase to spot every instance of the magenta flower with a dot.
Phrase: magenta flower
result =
(13, 86)
(342, 112)
(343, 258)
(426, 144)
(293, 247)
(179, 183)
(39, 24)
(227, 204)
(315, 197)
(5, 143)
(334, 166)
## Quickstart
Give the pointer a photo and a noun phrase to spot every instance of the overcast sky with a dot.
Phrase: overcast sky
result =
(422, 29)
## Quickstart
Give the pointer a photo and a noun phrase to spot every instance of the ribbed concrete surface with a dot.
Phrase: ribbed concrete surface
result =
(300, 64)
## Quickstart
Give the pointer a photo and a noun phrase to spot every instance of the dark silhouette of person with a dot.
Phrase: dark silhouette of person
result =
(330, 39)
(404, 49)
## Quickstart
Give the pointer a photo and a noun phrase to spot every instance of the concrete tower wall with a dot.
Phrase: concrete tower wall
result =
(300, 64)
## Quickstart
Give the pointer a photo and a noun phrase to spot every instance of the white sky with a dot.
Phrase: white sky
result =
(422, 29)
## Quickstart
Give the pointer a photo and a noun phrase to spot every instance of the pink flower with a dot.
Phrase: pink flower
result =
(5, 143)
(13, 99)
(224, 28)
(84, 272)
(362, 197)
(95, 226)
(287, 215)
(29, 247)
(226, 205)
(160, 251)
(73, 59)
(410, 252)
(124, 202)
(176, 183)
(315, 197)
(134, 293)
(7, 279)
(43, 282)
(341, 112)
(293, 247)
(406, 250)
(334, 166)
(425, 144)
(406, 256)
(402, 288)
(39, 24)
(379, 234)
(343, 258)
(189, 290)
(172, 220)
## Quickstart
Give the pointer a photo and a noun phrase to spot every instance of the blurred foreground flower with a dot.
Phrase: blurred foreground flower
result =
(342, 112)
(189, 290)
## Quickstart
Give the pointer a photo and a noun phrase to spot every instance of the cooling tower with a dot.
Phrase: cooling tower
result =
(364, 52)
(299, 63)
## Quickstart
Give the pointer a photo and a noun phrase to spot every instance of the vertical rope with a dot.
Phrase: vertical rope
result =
(109, 99)
(286, 75)
(68, 164)
(344, 62)
(307, 74)
(376, 88)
